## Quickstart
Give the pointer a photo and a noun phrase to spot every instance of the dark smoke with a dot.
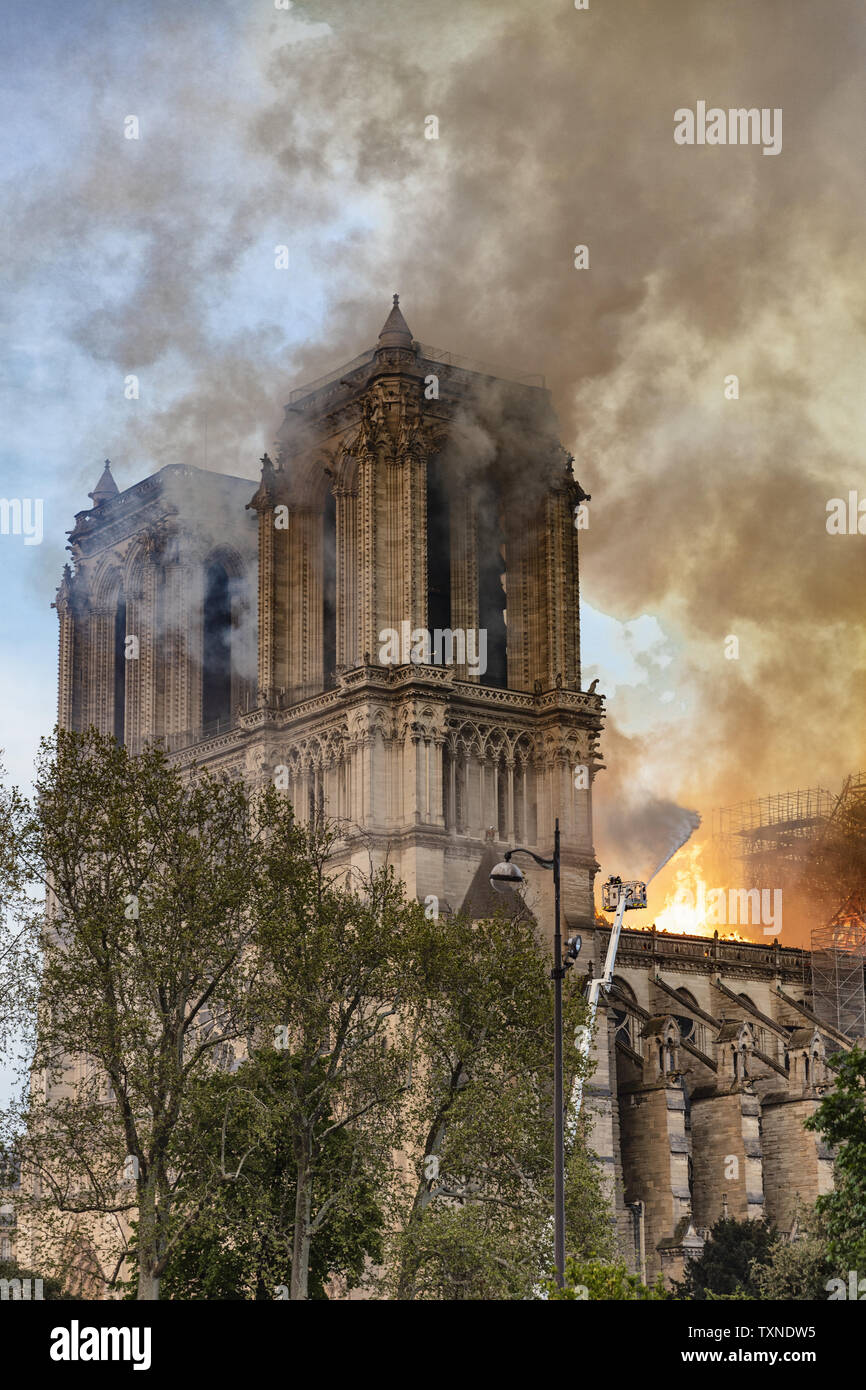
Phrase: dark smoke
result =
(555, 128)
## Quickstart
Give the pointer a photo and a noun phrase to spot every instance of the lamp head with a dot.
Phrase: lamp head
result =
(573, 947)
(505, 876)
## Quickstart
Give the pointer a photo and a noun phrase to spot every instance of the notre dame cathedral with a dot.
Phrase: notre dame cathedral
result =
(389, 624)
(249, 627)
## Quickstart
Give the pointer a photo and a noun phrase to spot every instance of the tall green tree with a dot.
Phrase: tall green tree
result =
(841, 1120)
(240, 1244)
(143, 987)
(19, 952)
(726, 1265)
(476, 1220)
(337, 990)
(798, 1269)
(186, 926)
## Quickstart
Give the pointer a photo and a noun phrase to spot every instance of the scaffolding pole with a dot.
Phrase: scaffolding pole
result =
(838, 961)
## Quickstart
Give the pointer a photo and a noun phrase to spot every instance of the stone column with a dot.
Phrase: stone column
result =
(464, 571)
(184, 596)
(726, 1150)
(452, 788)
(64, 604)
(368, 578)
(348, 616)
(304, 605)
(267, 655)
(392, 559)
(99, 709)
(413, 540)
(136, 626)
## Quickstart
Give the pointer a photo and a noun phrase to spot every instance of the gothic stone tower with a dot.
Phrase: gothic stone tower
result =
(410, 494)
(157, 631)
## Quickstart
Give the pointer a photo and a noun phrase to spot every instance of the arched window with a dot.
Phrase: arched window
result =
(688, 1027)
(216, 686)
(519, 798)
(329, 592)
(502, 800)
(623, 1018)
(760, 1033)
(120, 669)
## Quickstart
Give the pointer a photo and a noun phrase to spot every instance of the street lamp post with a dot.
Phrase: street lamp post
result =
(504, 876)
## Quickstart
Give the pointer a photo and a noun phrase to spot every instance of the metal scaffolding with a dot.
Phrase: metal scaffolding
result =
(774, 842)
(838, 963)
(770, 837)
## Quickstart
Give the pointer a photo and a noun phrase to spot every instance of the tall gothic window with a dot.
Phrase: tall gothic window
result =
(438, 550)
(623, 1018)
(502, 800)
(519, 798)
(120, 669)
(216, 686)
(329, 592)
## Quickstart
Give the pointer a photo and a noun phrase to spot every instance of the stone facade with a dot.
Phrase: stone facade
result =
(406, 491)
(713, 1060)
(244, 626)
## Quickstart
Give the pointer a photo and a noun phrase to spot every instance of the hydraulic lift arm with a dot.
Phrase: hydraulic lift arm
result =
(623, 896)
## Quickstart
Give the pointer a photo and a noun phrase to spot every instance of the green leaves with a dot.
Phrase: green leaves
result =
(143, 979)
(257, 1068)
(602, 1280)
(841, 1120)
(725, 1265)
(476, 1224)
(241, 1127)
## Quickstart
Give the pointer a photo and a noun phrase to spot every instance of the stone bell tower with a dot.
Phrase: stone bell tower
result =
(389, 629)
(418, 623)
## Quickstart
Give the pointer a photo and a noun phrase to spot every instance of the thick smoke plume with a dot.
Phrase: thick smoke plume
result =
(682, 824)
(305, 128)
(650, 833)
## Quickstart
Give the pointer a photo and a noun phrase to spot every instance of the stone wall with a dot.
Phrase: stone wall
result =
(713, 1062)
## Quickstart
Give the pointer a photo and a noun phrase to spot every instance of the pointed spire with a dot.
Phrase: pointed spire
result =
(106, 488)
(395, 330)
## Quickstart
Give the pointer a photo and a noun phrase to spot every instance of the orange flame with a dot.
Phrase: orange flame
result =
(684, 910)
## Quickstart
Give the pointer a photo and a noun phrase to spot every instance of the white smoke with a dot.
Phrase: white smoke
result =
(645, 829)
(682, 824)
